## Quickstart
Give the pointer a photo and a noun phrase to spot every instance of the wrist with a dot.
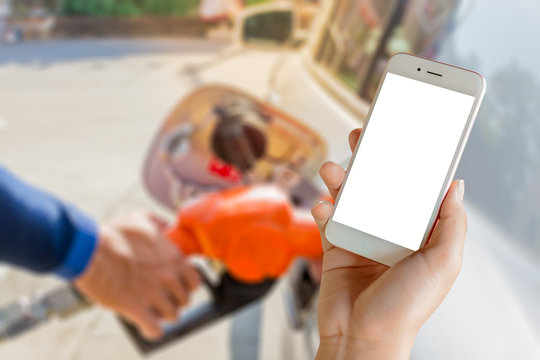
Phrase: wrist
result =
(347, 348)
(82, 248)
(98, 267)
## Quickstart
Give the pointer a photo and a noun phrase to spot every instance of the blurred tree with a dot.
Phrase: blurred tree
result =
(133, 7)
(254, 2)
(129, 7)
(501, 163)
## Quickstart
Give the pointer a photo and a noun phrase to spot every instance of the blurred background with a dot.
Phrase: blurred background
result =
(85, 85)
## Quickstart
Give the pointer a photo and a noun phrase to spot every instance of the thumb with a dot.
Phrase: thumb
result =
(448, 238)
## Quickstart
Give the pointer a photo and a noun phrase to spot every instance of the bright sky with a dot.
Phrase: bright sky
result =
(501, 32)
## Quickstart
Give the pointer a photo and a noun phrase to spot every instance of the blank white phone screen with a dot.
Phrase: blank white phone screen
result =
(403, 160)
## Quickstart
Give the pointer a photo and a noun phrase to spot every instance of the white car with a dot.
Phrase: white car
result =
(325, 77)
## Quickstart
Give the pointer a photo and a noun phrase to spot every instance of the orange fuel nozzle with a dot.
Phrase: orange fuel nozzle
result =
(254, 231)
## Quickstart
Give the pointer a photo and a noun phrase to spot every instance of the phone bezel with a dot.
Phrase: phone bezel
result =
(453, 78)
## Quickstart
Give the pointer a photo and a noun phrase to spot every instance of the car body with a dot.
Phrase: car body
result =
(482, 316)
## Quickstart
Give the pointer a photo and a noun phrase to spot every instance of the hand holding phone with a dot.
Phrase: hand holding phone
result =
(367, 309)
(405, 159)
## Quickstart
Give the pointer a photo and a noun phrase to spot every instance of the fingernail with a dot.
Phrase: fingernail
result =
(319, 203)
(315, 213)
(461, 190)
(316, 205)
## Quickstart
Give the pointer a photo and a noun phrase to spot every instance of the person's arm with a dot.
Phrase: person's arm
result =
(40, 233)
(126, 265)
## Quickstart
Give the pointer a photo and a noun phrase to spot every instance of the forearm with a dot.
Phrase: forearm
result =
(40, 233)
(343, 348)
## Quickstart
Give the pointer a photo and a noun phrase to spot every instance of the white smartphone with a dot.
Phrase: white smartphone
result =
(405, 159)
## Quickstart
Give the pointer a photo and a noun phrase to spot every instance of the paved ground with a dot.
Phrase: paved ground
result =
(76, 118)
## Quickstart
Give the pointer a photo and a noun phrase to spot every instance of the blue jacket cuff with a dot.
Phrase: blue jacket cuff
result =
(83, 246)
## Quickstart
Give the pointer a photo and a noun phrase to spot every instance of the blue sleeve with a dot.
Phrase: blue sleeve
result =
(40, 233)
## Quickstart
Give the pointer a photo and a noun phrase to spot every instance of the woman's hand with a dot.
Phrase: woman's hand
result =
(371, 311)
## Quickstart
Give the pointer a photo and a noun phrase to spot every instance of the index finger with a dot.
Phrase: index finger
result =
(333, 174)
